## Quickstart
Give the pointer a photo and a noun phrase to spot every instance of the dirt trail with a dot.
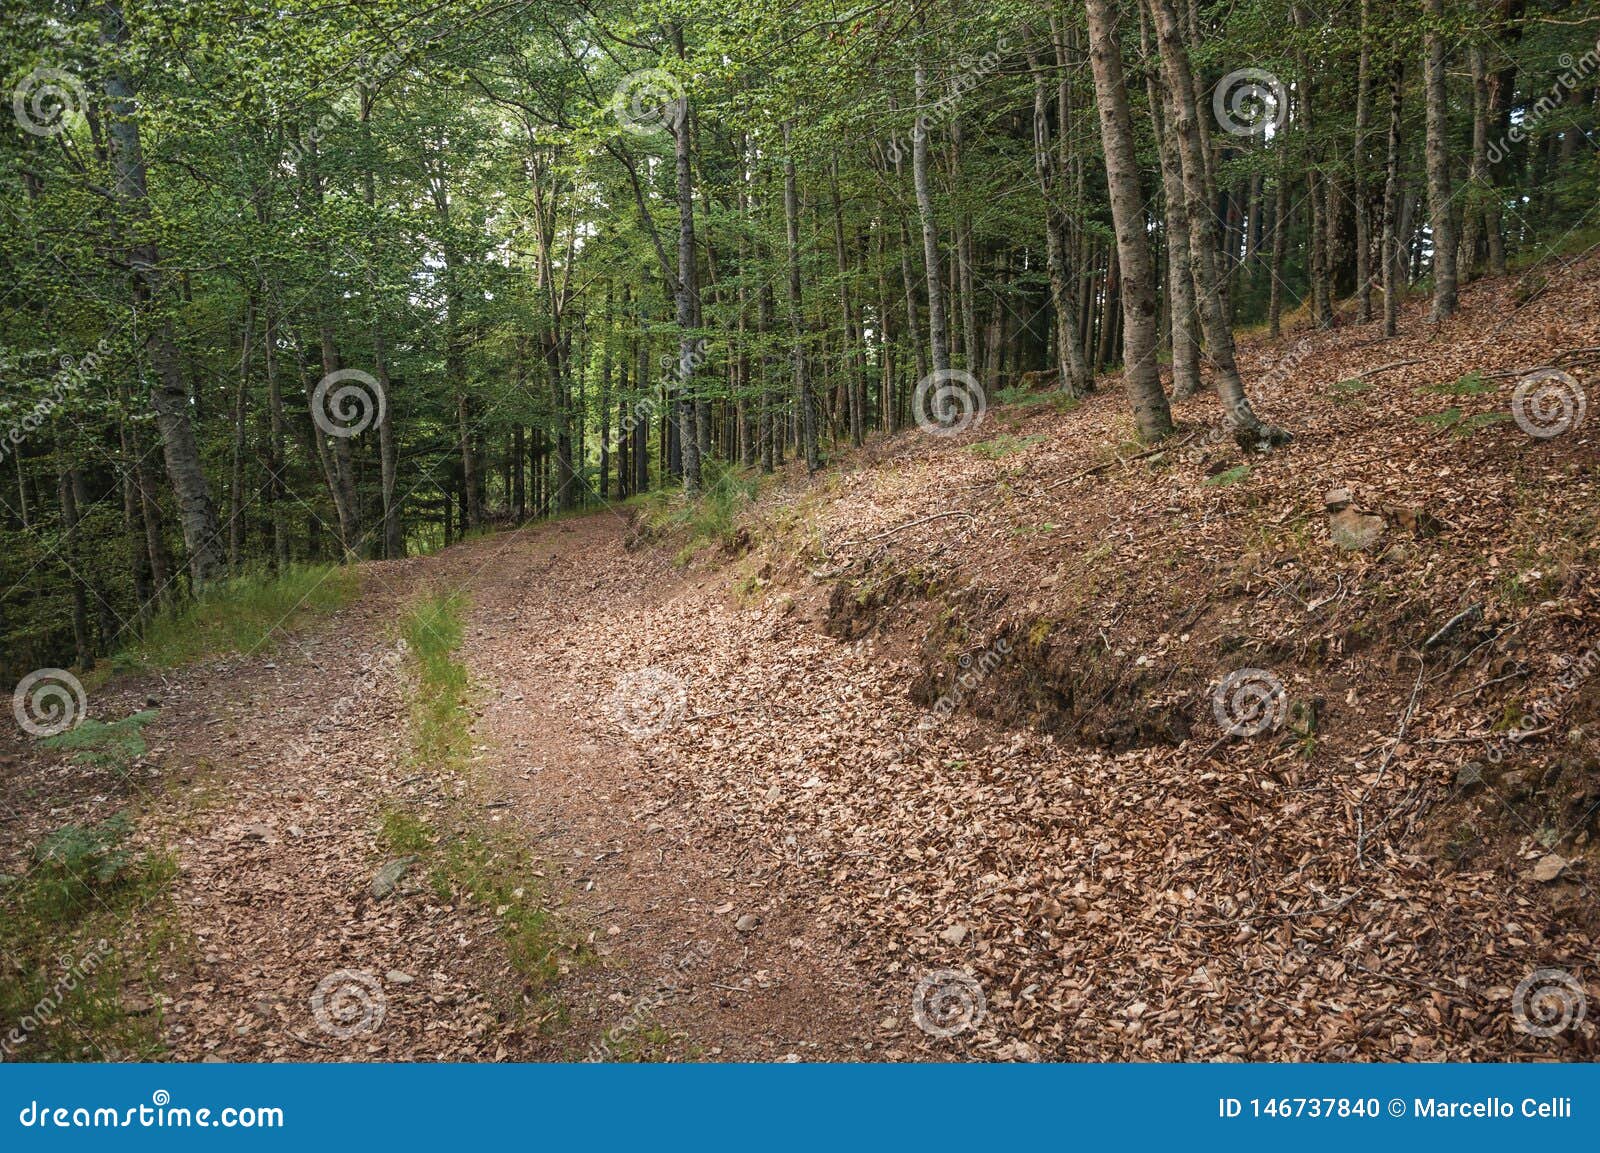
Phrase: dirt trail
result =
(268, 777)
(662, 901)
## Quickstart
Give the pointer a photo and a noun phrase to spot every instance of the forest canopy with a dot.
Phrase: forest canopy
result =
(316, 282)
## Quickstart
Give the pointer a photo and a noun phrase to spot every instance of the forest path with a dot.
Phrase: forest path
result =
(271, 776)
(703, 948)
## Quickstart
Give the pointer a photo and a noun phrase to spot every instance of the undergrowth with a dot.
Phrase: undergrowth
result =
(240, 615)
(714, 518)
(102, 745)
(81, 930)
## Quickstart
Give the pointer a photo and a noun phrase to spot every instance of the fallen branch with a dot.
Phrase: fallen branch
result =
(1385, 368)
(1122, 460)
(911, 524)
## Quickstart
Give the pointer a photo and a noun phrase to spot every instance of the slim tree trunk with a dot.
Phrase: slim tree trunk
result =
(394, 545)
(197, 514)
(1438, 155)
(687, 296)
(806, 413)
(1248, 428)
(1388, 248)
(240, 399)
(938, 330)
(1180, 268)
(1140, 373)
(71, 548)
(1478, 172)
(1363, 198)
(1280, 245)
(1073, 371)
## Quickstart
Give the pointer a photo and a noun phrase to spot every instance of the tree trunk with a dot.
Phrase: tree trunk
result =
(1073, 371)
(196, 513)
(1180, 268)
(1280, 244)
(240, 399)
(1478, 171)
(1141, 375)
(1363, 196)
(1438, 155)
(687, 296)
(1248, 428)
(806, 411)
(1387, 249)
(938, 331)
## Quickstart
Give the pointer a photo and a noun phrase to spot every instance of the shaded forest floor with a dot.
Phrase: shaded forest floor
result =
(946, 708)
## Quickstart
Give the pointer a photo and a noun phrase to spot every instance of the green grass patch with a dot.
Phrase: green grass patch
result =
(81, 931)
(241, 616)
(1347, 390)
(1456, 422)
(1006, 445)
(1471, 384)
(1238, 474)
(99, 745)
(714, 518)
(1027, 398)
(439, 731)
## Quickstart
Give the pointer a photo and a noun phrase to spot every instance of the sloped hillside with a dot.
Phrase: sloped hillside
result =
(969, 689)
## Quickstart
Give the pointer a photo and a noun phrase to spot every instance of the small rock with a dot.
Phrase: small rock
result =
(1549, 868)
(396, 977)
(774, 794)
(954, 935)
(1337, 498)
(889, 1024)
(1355, 531)
(256, 832)
(386, 878)
(747, 923)
(1470, 775)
